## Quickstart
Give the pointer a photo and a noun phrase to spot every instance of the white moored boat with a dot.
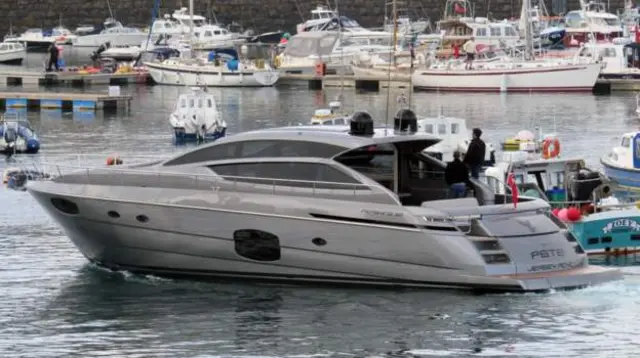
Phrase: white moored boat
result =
(218, 73)
(511, 77)
(12, 53)
(196, 118)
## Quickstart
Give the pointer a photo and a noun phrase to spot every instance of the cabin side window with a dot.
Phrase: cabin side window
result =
(191, 103)
(428, 128)
(258, 149)
(209, 103)
(495, 31)
(297, 174)
(510, 31)
(376, 162)
(455, 128)
(625, 142)
(442, 128)
(481, 32)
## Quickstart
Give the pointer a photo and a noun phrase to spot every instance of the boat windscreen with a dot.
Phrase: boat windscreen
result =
(307, 46)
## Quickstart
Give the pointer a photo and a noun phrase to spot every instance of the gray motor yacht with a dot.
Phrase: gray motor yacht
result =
(337, 204)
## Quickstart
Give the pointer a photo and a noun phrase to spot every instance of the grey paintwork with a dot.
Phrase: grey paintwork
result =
(372, 238)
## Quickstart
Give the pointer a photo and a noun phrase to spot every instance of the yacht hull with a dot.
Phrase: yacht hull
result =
(627, 177)
(12, 57)
(569, 78)
(192, 234)
(187, 76)
(116, 39)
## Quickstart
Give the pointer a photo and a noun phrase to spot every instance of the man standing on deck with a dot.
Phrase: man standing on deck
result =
(470, 49)
(475, 154)
(53, 58)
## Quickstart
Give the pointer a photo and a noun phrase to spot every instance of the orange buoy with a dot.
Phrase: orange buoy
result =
(550, 148)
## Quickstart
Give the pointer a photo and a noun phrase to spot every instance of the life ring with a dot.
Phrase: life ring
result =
(550, 148)
(320, 69)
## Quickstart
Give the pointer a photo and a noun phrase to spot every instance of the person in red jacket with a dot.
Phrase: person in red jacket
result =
(456, 50)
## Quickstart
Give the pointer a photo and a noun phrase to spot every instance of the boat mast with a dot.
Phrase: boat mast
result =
(394, 11)
(528, 41)
(191, 28)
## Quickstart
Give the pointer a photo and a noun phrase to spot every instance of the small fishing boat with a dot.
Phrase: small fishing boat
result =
(582, 198)
(622, 163)
(17, 136)
(196, 118)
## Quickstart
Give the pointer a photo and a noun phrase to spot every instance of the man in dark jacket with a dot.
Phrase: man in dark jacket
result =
(53, 57)
(457, 176)
(475, 154)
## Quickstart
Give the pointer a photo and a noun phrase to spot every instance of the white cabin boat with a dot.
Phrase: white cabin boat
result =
(12, 53)
(196, 117)
(34, 39)
(319, 16)
(114, 33)
(304, 51)
(454, 135)
(620, 58)
(223, 68)
(593, 19)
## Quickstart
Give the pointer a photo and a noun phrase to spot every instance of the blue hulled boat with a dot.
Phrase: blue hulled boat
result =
(17, 136)
(622, 164)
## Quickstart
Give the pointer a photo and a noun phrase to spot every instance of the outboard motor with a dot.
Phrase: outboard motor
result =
(96, 54)
(361, 124)
(405, 121)
(10, 137)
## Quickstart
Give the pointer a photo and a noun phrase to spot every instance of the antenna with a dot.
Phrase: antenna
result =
(391, 61)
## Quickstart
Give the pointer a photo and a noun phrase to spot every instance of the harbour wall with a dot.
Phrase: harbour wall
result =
(260, 15)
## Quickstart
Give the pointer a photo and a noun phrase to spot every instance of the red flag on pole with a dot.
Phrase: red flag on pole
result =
(458, 9)
(511, 182)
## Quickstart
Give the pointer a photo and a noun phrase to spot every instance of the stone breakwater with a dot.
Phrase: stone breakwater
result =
(264, 15)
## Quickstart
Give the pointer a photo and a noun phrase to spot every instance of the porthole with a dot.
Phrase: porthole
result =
(65, 206)
(257, 245)
(142, 218)
(113, 214)
(318, 241)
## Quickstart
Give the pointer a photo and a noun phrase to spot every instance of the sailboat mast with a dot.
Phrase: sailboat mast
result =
(394, 10)
(528, 41)
(191, 27)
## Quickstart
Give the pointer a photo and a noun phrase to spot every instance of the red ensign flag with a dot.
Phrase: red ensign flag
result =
(511, 182)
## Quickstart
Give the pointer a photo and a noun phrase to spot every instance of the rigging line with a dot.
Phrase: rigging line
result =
(110, 11)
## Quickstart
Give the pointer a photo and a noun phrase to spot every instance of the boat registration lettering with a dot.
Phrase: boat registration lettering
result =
(545, 254)
(559, 266)
(382, 213)
(621, 225)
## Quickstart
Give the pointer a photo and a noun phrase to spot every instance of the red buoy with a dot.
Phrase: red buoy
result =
(573, 214)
